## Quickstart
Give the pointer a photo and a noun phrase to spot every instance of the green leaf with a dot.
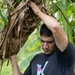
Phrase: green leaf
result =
(1, 26)
(72, 23)
(70, 34)
(25, 62)
(48, 6)
(8, 1)
(65, 26)
(63, 4)
(33, 44)
(18, 1)
(4, 18)
(1, 0)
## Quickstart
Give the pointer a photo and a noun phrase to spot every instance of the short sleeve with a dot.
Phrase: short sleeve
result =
(68, 56)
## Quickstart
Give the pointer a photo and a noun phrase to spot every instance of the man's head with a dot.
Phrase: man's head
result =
(47, 40)
(45, 31)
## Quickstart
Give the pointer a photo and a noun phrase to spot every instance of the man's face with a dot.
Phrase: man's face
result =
(48, 44)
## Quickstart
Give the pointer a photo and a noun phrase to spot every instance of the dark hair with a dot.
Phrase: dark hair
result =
(45, 31)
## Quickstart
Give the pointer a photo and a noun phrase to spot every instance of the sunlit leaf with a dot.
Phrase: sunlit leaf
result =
(1, 26)
(69, 12)
(1, 0)
(25, 62)
(70, 34)
(63, 4)
(4, 18)
(33, 44)
(72, 23)
(48, 5)
(65, 26)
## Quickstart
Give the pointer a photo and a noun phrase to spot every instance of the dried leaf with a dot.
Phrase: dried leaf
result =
(22, 21)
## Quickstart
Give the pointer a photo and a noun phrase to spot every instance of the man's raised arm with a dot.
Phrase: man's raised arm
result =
(60, 36)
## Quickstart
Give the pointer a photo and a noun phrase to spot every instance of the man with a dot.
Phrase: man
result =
(58, 57)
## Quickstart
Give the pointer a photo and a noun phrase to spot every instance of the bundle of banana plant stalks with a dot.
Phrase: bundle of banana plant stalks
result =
(21, 22)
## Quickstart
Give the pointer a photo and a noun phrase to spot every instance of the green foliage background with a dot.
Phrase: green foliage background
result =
(62, 10)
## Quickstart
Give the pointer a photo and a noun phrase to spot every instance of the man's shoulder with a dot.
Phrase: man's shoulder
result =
(37, 57)
(39, 54)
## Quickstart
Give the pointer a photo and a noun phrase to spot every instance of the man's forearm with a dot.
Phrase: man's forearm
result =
(50, 22)
(15, 68)
(53, 25)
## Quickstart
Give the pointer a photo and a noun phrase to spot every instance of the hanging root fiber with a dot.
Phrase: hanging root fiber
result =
(21, 23)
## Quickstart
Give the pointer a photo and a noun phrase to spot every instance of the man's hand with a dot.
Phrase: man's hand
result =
(34, 7)
(13, 59)
(13, 56)
(15, 68)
